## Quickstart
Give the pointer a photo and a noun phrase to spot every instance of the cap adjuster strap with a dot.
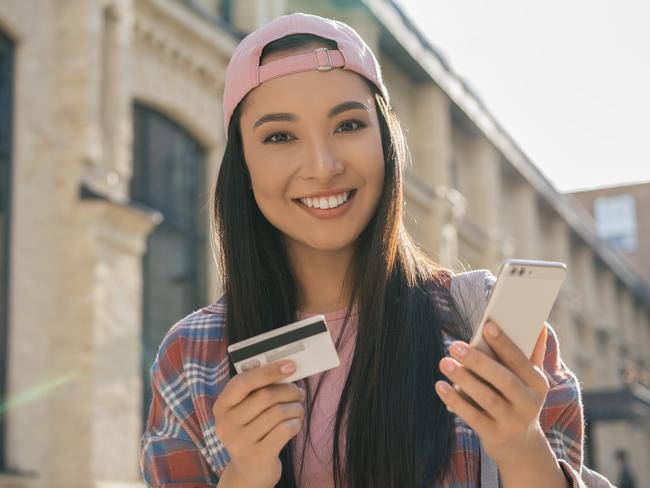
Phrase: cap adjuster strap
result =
(320, 67)
(322, 59)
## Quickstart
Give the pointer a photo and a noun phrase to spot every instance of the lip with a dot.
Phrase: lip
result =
(328, 213)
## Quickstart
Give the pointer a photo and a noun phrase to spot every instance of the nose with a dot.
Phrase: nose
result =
(322, 162)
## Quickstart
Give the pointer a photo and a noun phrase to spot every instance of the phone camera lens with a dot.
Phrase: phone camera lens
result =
(513, 270)
(521, 271)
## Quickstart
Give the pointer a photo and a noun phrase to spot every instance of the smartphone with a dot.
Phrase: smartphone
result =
(519, 303)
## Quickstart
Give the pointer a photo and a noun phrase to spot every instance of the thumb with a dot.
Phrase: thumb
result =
(537, 357)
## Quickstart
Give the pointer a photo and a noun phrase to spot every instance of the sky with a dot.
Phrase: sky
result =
(569, 80)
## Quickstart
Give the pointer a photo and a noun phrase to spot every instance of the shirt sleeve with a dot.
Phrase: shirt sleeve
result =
(170, 453)
(562, 419)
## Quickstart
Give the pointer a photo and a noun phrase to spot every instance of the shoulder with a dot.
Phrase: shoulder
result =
(459, 300)
(459, 286)
(471, 288)
(215, 308)
(192, 360)
(199, 337)
(467, 294)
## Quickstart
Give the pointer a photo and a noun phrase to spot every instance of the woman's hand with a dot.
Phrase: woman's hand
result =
(510, 392)
(255, 417)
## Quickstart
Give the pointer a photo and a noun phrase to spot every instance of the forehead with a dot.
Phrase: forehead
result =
(312, 92)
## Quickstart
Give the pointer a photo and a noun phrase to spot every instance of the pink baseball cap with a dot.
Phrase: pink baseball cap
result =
(244, 72)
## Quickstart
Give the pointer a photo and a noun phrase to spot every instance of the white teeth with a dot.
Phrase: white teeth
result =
(332, 201)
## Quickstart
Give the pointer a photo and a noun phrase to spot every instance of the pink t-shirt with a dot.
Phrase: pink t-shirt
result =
(317, 468)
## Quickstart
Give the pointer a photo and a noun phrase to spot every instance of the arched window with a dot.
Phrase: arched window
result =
(169, 176)
(6, 119)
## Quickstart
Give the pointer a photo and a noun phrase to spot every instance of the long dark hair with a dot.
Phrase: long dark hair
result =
(399, 432)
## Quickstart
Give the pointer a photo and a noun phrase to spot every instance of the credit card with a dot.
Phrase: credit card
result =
(308, 342)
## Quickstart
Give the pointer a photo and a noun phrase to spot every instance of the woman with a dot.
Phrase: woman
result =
(308, 215)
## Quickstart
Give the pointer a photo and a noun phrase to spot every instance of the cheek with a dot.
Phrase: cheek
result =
(268, 189)
(266, 180)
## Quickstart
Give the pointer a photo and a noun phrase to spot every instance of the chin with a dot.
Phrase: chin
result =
(329, 245)
(325, 243)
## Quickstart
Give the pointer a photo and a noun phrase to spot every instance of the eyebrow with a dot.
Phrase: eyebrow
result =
(289, 117)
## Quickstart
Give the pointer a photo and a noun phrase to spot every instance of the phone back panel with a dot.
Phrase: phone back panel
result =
(521, 303)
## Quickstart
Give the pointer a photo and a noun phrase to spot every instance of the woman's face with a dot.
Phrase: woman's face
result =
(312, 145)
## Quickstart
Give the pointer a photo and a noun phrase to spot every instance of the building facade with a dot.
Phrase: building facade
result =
(622, 216)
(110, 141)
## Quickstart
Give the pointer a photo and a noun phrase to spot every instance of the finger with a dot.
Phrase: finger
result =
(276, 439)
(491, 371)
(263, 398)
(240, 386)
(272, 416)
(539, 353)
(486, 397)
(511, 356)
(472, 416)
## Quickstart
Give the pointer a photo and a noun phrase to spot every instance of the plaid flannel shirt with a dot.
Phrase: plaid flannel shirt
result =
(179, 448)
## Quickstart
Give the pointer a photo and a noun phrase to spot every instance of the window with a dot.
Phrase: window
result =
(168, 175)
(225, 9)
(616, 221)
(218, 10)
(6, 118)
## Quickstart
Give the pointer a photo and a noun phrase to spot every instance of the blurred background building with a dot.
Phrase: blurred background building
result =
(622, 217)
(110, 141)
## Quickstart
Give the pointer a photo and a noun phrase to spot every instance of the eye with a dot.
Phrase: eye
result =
(278, 138)
(350, 125)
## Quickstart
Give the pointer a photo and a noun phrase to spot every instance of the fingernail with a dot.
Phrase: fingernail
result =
(492, 329)
(448, 365)
(444, 387)
(289, 367)
(460, 348)
(292, 423)
(302, 393)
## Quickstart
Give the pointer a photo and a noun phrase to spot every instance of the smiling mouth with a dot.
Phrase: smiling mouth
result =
(326, 202)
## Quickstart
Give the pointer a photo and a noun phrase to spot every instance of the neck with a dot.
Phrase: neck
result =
(320, 277)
